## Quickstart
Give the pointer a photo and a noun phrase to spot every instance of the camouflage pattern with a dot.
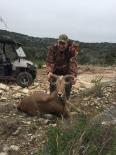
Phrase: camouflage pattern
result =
(63, 38)
(76, 46)
(62, 62)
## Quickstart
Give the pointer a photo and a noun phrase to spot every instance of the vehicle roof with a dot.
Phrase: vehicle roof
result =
(9, 40)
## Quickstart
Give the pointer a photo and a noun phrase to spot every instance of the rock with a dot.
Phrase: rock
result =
(44, 121)
(44, 66)
(49, 116)
(1, 91)
(3, 153)
(53, 125)
(33, 137)
(14, 147)
(3, 99)
(25, 91)
(13, 150)
(17, 131)
(28, 123)
(5, 148)
(73, 113)
(112, 122)
(4, 87)
(86, 99)
(17, 96)
(16, 88)
(36, 83)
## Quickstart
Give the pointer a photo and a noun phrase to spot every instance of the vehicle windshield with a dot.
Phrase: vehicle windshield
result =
(20, 52)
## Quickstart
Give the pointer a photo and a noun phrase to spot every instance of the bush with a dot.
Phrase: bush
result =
(82, 138)
(98, 87)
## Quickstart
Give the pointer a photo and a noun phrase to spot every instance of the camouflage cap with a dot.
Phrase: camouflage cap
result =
(63, 38)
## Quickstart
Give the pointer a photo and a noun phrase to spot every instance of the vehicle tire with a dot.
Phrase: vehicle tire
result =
(24, 79)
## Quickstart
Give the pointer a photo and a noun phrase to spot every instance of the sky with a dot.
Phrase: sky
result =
(82, 20)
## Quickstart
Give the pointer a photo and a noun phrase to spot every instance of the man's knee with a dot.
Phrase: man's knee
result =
(68, 90)
(52, 88)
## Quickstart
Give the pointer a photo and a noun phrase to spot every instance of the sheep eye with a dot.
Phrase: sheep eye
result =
(53, 81)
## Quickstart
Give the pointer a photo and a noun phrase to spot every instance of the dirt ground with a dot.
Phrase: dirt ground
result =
(21, 134)
(90, 72)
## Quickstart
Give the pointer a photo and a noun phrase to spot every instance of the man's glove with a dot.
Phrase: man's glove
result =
(49, 76)
(74, 81)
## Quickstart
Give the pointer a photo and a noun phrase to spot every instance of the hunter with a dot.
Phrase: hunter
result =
(61, 60)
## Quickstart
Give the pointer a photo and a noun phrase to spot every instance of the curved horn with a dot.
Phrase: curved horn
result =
(68, 76)
(54, 76)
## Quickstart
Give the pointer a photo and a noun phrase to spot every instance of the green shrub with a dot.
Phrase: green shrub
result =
(98, 87)
(82, 138)
(39, 63)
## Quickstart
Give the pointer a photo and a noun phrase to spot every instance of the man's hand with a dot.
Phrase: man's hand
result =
(49, 76)
(74, 81)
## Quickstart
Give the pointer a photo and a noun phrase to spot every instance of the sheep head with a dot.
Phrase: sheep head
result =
(60, 82)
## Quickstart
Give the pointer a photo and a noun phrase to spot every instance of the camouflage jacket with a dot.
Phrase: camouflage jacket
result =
(61, 62)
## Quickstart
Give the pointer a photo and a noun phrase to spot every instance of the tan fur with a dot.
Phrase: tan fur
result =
(45, 103)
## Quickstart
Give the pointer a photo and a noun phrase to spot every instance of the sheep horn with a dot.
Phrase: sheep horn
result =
(54, 76)
(68, 76)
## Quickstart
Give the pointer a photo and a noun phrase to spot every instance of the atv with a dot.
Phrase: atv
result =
(13, 63)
